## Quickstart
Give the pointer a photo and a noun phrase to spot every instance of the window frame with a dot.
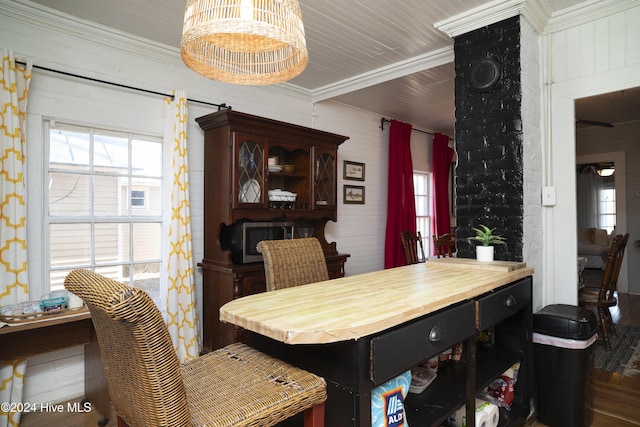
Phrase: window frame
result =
(426, 219)
(608, 185)
(130, 219)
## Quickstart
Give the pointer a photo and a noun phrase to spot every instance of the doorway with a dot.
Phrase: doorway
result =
(618, 159)
(609, 136)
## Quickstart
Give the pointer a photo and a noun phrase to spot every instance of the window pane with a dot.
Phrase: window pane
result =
(607, 207)
(152, 189)
(105, 196)
(70, 245)
(422, 206)
(608, 222)
(146, 158)
(111, 154)
(115, 272)
(147, 277)
(111, 243)
(146, 241)
(69, 149)
(419, 182)
(56, 279)
(68, 194)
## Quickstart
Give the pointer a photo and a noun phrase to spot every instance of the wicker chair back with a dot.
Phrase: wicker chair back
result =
(295, 262)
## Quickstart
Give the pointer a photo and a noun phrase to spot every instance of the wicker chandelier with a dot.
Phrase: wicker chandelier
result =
(250, 42)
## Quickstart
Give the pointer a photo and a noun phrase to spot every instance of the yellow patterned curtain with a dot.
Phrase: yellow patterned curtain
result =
(14, 286)
(182, 311)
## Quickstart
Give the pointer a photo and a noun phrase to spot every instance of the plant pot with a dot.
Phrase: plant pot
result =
(484, 253)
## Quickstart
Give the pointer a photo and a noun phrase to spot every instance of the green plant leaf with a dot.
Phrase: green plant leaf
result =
(485, 236)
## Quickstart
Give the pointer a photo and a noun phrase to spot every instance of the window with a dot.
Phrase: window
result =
(138, 198)
(104, 205)
(607, 205)
(421, 189)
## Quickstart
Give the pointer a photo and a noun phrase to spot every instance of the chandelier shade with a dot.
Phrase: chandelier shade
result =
(249, 42)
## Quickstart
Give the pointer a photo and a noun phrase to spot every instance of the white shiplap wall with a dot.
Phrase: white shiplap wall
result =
(589, 58)
(360, 229)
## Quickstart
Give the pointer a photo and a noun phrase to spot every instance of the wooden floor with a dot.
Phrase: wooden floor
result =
(617, 398)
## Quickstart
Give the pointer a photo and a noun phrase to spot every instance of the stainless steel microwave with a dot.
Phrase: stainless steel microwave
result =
(242, 238)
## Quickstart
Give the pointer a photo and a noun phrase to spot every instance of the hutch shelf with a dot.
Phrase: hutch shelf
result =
(237, 181)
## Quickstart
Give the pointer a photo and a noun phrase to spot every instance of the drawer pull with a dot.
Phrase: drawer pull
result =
(510, 301)
(436, 334)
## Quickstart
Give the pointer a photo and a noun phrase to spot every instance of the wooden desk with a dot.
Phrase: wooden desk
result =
(43, 336)
(359, 331)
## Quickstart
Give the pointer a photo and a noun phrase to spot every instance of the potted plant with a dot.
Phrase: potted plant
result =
(486, 237)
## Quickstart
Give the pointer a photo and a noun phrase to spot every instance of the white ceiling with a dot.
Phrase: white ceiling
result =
(384, 56)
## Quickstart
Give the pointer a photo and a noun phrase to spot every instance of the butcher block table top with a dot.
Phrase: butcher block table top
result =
(352, 307)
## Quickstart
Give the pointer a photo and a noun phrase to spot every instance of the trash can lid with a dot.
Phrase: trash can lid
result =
(565, 321)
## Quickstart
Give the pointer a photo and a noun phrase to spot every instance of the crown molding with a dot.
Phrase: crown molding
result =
(384, 74)
(60, 22)
(538, 12)
(481, 16)
(587, 12)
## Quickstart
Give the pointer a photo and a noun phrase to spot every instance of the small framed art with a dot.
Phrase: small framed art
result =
(354, 194)
(353, 171)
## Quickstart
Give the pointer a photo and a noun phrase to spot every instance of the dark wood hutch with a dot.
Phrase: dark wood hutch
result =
(237, 179)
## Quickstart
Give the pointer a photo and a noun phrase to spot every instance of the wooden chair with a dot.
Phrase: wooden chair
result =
(444, 245)
(605, 297)
(413, 248)
(233, 386)
(293, 262)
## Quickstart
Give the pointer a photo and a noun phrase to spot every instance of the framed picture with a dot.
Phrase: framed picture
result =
(354, 194)
(353, 170)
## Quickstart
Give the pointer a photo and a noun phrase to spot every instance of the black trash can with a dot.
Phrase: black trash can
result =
(563, 337)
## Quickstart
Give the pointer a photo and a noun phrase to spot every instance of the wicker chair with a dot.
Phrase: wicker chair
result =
(289, 263)
(413, 248)
(605, 297)
(232, 386)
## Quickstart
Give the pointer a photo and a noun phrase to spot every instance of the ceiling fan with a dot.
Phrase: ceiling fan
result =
(593, 123)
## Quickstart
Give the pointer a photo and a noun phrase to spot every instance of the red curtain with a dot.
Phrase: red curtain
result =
(442, 157)
(401, 205)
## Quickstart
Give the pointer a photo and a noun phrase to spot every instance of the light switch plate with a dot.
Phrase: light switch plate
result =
(548, 196)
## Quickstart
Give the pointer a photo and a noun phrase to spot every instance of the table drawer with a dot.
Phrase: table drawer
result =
(499, 305)
(397, 350)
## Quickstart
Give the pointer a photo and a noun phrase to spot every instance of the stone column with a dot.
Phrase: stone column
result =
(489, 137)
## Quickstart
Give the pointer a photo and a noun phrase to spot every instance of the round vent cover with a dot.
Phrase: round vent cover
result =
(485, 74)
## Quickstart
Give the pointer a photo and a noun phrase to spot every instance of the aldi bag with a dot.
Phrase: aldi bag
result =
(387, 402)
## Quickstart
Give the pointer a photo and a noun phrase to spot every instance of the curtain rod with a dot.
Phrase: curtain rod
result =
(384, 119)
(153, 92)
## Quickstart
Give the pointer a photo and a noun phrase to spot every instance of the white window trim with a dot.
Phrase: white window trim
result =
(426, 239)
(37, 194)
